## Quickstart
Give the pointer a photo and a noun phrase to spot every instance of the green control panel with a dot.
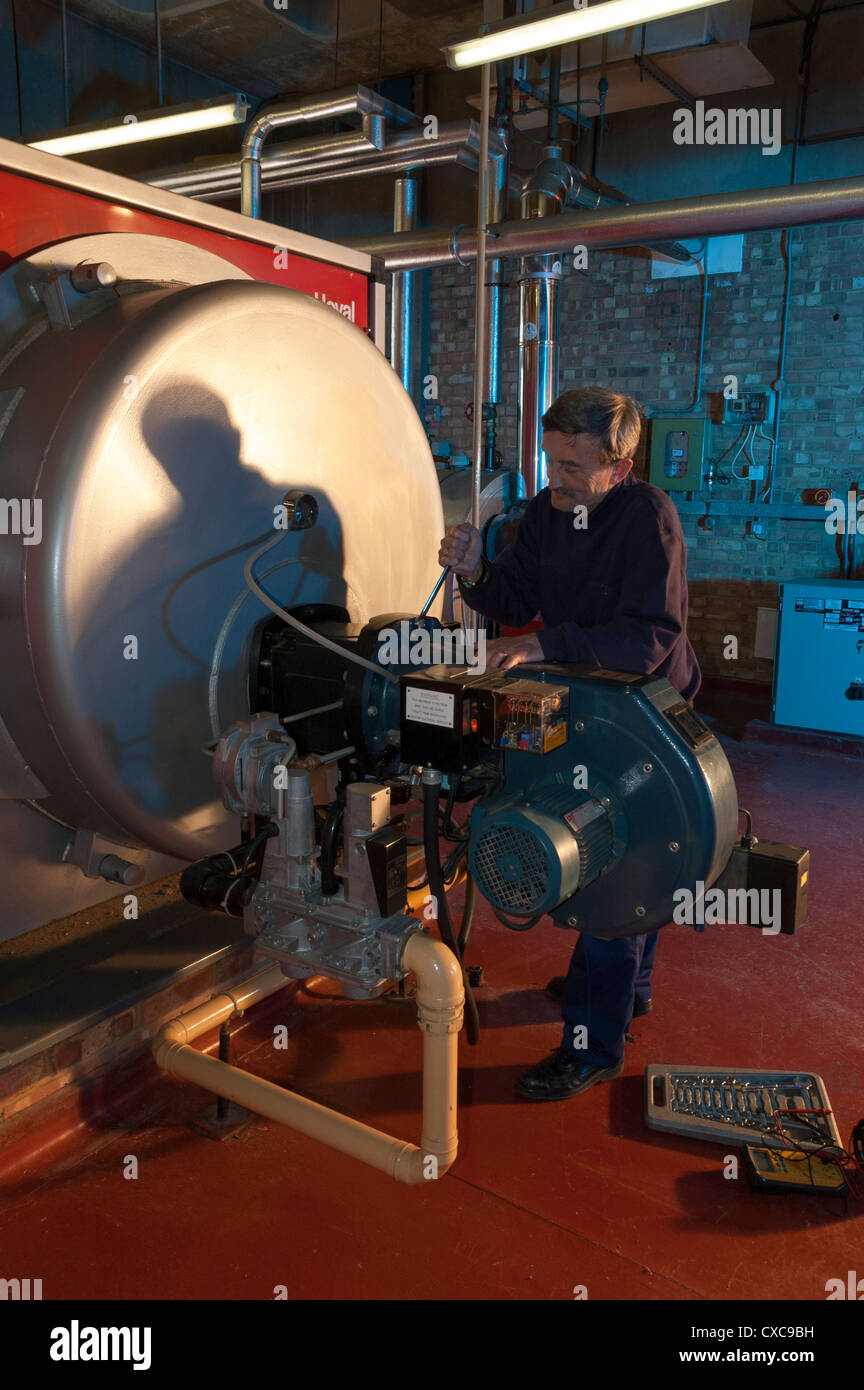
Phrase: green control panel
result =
(678, 446)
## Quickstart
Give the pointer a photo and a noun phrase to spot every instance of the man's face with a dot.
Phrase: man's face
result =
(576, 474)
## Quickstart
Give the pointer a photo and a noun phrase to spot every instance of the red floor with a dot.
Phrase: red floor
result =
(542, 1198)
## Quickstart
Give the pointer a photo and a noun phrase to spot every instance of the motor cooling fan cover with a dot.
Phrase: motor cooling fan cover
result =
(638, 802)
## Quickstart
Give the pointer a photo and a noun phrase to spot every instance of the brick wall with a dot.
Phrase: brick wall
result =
(76, 1061)
(619, 328)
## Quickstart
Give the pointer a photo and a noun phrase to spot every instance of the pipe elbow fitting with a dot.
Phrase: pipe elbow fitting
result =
(414, 1166)
(255, 135)
(171, 1036)
(440, 988)
(174, 1031)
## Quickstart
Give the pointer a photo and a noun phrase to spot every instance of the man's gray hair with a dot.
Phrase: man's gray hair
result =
(614, 419)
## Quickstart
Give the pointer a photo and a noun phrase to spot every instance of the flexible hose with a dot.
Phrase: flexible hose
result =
(344, 652)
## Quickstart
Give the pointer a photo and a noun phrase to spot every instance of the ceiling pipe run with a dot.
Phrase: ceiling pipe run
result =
(325, 159)
(224, 172)
(372, 135)
(352, 101)
(440, 1000)
(761, 209)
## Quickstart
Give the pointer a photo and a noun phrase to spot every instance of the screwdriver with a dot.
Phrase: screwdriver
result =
(431, 599)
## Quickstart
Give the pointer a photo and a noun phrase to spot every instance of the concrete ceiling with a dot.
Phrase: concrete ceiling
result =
(280, 47)
(267, 51)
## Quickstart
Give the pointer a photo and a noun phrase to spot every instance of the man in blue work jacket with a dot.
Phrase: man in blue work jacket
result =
(600, 555)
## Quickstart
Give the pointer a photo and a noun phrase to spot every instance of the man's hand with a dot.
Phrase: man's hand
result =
(505, 652)
(462, 550)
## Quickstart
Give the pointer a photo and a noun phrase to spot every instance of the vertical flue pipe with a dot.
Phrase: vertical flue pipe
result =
(402, 288)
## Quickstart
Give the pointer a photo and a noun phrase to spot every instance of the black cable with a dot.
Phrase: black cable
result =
(267, 833)
(380, 39)
(17, 69)
(336, 48)
(467, 913)
(439, 893)
(451, 832)
(329, 839)
(524, 925)
(210, 882)
(453, 860)
(554, 96)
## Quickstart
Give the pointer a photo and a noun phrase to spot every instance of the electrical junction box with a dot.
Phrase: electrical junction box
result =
(677, 452)
(769, 867)
(749, 408)
(819, 656)
(452, 715)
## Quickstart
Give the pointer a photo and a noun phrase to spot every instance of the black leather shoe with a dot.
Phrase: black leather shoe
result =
(639, 1010)
(560, 1075)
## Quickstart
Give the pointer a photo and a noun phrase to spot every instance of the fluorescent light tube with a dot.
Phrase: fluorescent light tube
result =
(567, 26)
(151, 125)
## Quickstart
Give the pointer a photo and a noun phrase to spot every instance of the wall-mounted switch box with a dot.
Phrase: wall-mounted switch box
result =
(677, 452)
(749, 408)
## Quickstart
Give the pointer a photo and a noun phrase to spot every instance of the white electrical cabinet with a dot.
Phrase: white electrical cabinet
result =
(819, 656)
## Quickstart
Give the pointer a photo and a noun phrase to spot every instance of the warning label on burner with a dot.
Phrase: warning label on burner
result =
(430, 706)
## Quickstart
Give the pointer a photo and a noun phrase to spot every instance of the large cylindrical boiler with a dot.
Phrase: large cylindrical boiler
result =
(158, 425)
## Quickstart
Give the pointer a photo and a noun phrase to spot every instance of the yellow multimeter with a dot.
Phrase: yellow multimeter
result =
(786, 1170)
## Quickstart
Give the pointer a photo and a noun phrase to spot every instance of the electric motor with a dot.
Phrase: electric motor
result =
(615, 793)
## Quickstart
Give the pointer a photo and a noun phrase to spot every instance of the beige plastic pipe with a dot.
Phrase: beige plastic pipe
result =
(440, 1000)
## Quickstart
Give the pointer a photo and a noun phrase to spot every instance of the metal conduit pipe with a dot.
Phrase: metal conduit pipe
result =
(440, 1000)
(498, 197)
(480, 342)
(760, 209)
(538, 364)
(335, 105)
(545, 195)
(298, 163)
(496, 206)
(405, 199)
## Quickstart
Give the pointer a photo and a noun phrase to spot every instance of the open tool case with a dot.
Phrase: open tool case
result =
(740, 1105)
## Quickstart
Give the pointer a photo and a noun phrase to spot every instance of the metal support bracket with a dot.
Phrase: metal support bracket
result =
(94, 856)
